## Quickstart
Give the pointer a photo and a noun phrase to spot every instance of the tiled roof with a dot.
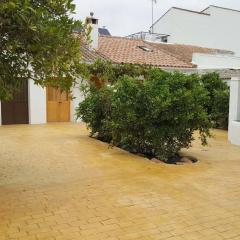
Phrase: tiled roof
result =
(133, 51)
(89, 55)
(185, 52)
(125, 50)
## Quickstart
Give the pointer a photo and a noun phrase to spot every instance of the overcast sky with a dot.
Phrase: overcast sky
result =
(123, 17)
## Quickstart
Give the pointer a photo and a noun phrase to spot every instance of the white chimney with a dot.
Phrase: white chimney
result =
(93, 22)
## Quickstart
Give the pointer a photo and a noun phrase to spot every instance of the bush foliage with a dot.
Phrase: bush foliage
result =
(155, 115)
(218, 102)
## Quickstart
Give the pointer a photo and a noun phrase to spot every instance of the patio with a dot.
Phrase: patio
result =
(57, 183)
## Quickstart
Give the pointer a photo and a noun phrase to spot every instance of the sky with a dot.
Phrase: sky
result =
(124, 17)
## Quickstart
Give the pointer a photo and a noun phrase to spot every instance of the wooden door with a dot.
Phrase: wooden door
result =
(58, 105)
(15, 111)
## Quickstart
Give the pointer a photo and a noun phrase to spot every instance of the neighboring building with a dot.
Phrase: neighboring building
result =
(149, 36)
(103, 32)
(214, 27)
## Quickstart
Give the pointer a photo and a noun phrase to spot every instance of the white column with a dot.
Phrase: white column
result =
(234, 111)
(77, 98)
(37, 104)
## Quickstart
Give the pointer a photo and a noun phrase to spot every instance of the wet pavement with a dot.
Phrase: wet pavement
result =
(57, 183)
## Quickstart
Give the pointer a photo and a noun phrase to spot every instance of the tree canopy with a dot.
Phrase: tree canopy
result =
(37, 42)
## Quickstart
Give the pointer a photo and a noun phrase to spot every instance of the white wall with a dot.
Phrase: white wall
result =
(217, 61)
(37, 104)
(219, 30)
(234, 112)
(77, 98)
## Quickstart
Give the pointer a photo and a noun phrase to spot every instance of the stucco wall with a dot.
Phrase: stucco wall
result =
(234, 112)
(77, 98)
(37, 104)
(215, 31)
(209, 61)
(234, 132)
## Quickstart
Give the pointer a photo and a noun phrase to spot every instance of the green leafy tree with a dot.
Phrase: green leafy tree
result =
(102, 72)
(37, 42)
(218, 102)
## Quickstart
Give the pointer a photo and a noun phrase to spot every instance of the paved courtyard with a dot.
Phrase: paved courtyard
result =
(57, 183)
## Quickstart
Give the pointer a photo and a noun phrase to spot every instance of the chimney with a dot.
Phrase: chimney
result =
(93, 23)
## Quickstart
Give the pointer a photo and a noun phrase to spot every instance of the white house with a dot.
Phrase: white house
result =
(214, 27)
(37, 105)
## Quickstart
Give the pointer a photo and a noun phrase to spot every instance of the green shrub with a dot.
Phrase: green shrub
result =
(95, 110)
(156, 116)
(218, 103)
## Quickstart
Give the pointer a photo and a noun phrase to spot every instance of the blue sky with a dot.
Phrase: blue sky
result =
(129, 16)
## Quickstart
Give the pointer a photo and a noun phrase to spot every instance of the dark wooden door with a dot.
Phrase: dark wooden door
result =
(16, 110)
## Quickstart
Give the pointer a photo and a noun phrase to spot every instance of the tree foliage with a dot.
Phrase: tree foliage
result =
(103, 72)
(218, 102)
(37, 42)
(156, 115)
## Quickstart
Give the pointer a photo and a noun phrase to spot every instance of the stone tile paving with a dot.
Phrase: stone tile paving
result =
(56, 183)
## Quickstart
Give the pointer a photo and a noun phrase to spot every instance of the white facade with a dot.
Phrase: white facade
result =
(37, 103)
(77, 98)
(216, 61)
(215, 27)
(234, 112)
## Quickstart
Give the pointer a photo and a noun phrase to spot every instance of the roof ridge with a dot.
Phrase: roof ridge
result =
(178, 8)
(207, 48)
(119, 37)
(231, 9)
(192, 11)
(172, 55)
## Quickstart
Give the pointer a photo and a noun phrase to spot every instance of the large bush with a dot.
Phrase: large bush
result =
(218, 102)
(156, 116)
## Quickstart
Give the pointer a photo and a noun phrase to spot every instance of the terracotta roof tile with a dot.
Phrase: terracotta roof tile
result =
(90, 55)
(185, 52)
(125, 50)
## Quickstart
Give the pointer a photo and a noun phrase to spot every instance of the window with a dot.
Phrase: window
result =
(146, 49)
(164, 39)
